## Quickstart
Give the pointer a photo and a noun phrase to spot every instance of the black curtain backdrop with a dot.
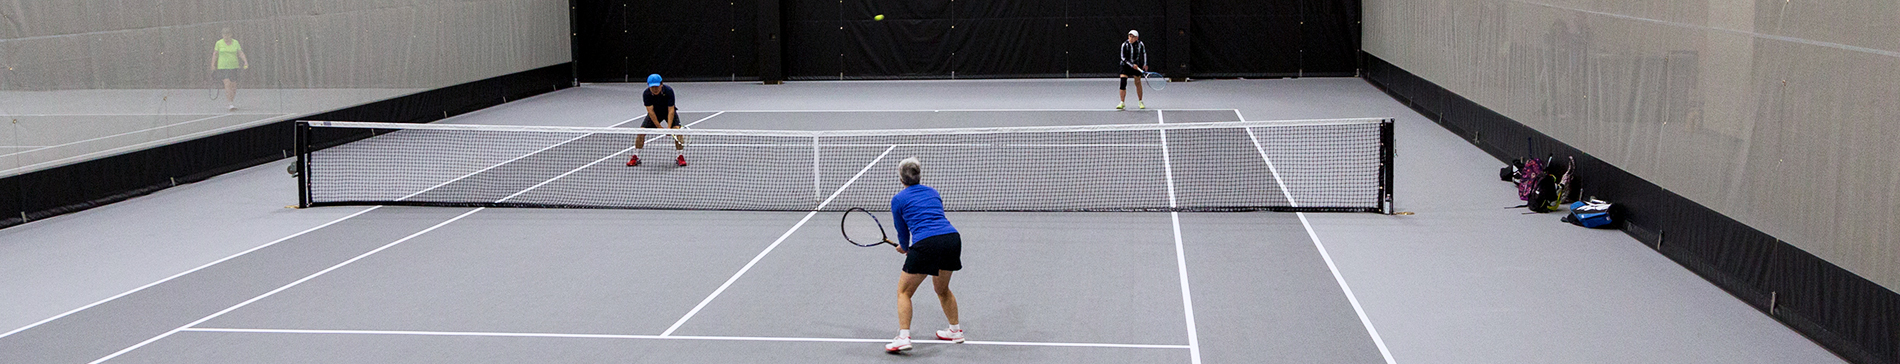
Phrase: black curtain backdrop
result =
(623, 40)
(1243, 38)
(701, 40)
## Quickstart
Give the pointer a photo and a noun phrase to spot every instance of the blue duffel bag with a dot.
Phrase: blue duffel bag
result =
(1590, 214)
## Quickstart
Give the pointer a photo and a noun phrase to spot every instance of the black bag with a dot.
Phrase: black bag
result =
(1510, 171)
(1550, 187)
(1545, 196)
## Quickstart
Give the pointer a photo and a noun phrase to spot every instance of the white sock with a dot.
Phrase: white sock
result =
(954, 327)
(903, 333)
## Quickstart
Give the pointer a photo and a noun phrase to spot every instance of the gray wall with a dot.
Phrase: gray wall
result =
(1782, 114)
(91, 78)
(119, 44)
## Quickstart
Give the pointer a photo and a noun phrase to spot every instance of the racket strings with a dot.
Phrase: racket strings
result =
(862, 228)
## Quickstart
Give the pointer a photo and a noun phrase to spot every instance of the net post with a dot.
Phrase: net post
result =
(1387, 152)
(817, 190)
(302, 141)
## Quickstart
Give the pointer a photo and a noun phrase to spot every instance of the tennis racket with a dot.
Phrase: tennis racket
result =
(861, 228)
(666, 133)
(682, 139)
(1154, 80)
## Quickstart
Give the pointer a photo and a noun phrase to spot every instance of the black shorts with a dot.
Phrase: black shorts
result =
(1131, 71)
(225, 74)
(941, 252)
(650, 123)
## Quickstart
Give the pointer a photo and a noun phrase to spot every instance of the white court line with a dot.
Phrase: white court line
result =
(130, 133)
(963, 145)
(775, 243)
(504, 100)
(181, 274)
(967, 110)
(207, 265)
(287, 286)
(1180, 253)
(596, 161)
(1350, 298)
(148, 341)
(660, 337)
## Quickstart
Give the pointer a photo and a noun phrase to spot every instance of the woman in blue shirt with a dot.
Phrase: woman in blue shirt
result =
(918, 213)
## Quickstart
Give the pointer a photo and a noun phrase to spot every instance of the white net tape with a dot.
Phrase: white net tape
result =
(1309, 165)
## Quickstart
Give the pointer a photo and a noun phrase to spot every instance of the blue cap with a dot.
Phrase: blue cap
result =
(653, 80)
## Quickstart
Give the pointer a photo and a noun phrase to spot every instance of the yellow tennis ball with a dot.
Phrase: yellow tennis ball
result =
(879, 17)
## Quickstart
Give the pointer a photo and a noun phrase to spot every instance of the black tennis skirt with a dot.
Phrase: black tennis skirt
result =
(941, 252)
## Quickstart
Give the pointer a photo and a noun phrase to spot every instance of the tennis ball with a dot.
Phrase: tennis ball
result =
(879, 17)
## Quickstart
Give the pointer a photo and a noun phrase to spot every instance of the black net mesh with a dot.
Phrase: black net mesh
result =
(1318, 165)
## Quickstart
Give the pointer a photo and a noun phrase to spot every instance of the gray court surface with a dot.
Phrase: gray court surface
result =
(220, 271)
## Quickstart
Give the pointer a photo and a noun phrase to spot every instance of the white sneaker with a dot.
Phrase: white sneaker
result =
(232, 107)
(955, 336)
(900, 343)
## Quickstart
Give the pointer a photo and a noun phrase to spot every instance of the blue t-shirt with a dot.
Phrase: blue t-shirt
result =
(918, 212)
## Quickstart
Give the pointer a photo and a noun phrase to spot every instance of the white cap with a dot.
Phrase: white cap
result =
(1134, 33)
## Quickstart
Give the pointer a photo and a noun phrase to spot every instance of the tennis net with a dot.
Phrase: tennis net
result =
(1307, 165)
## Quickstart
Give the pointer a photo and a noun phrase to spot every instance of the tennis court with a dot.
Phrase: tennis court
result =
(438, 283)
(1118, 181)
(1056, 287)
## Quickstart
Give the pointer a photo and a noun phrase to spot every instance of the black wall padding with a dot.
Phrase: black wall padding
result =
(618, 40)
(1244, 38)
(60, 190)
(1850, 315)
(771, 60)
(964, 38)
(686, 40)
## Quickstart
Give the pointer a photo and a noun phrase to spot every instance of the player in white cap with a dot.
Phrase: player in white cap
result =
(1134, 63)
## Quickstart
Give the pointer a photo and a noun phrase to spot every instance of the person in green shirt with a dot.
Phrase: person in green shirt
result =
(227, 59)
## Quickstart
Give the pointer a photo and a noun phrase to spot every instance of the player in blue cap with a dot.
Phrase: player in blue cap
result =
(661, 113)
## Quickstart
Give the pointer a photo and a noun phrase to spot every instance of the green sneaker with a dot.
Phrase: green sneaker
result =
(1121, 105)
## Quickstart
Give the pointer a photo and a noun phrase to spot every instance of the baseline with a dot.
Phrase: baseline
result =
(287, 286)
(665, 337)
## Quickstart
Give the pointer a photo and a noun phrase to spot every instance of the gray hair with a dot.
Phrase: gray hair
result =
(910, 171)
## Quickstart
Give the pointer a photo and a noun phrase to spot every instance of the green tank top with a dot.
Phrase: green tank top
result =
(228, 54)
